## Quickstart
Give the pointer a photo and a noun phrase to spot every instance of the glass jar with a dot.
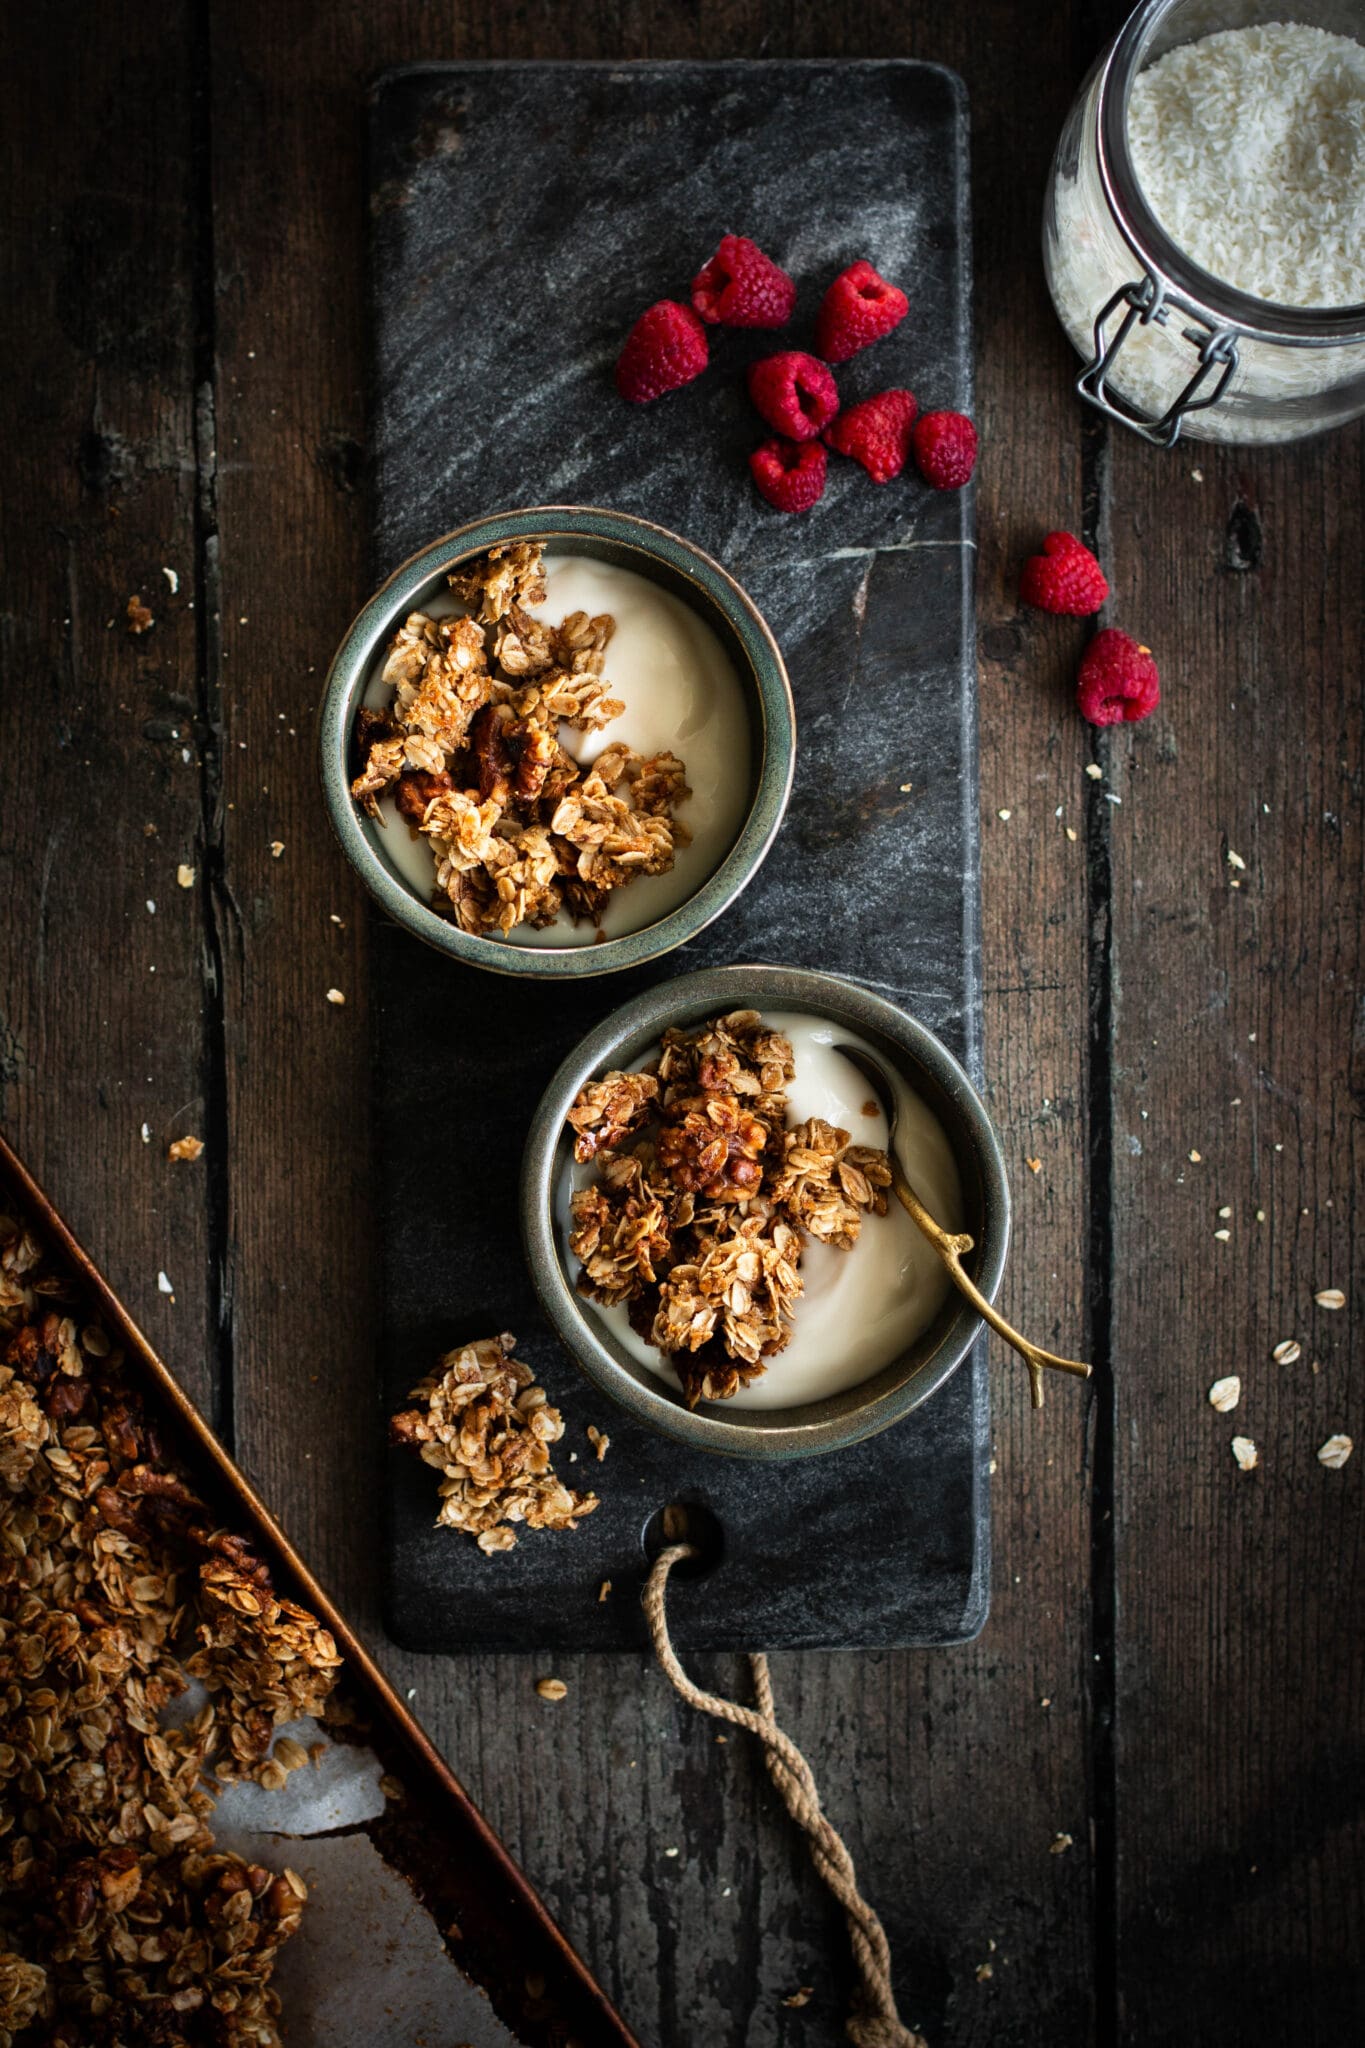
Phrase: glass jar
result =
(1168, 347)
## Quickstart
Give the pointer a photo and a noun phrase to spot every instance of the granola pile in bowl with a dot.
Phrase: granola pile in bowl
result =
(706, 1218)
(557, 742)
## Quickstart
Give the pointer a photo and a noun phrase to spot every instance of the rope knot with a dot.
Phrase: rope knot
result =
(875, 2030)
(875, 2024)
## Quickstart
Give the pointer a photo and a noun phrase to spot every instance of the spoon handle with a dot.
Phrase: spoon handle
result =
(952, 1248)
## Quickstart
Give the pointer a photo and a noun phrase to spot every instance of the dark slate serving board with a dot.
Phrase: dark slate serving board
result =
(521, 215)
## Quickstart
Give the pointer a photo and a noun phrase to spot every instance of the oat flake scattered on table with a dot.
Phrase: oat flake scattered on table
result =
(1286, 1351)
(1330, 1297)
(1246, 1453)
(1335, 1452)
(1225, 1394)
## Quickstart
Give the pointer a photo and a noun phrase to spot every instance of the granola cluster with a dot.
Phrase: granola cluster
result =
(486, 1427)
(120, 1920)
(704, 1199)
(469, 750)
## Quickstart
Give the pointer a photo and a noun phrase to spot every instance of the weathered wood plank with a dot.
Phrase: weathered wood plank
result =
(103, 1002)
(948, 1772)
(1241, 1856)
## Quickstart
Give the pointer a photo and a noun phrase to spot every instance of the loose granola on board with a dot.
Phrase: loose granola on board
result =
(120, 1919)
(486, 1427)
(469, 750)
(704, 1199)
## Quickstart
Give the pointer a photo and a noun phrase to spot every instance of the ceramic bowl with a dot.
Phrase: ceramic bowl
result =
(651, 551)
(929, 1068)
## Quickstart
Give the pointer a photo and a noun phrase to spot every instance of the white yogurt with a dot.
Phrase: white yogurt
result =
(680, 691)
(860, 1308)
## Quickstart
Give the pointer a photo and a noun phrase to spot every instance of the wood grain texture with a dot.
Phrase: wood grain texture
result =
(183, 338)
(1236, 1037)
(107, 758)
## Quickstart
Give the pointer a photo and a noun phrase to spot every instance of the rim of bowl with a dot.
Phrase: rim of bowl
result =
(767, 685)
(775, 1433)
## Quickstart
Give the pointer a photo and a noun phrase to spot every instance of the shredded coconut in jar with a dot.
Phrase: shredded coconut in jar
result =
(1250, 148)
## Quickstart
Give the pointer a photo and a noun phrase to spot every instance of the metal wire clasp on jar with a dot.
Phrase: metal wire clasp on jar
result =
(1170, 348)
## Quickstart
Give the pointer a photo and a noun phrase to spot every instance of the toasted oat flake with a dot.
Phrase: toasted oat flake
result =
(1335, 1452)
(1287, 1351)
(600, 1442)
(1059, 1844)
(551, 1688)
(1196, 1157)
(184, 875)
(185, 1148)
(1246, 1453)
(797, 1999)
(334, 995)
(1330, 1297)
(603, 1590)
(140, 619)
(1034, 1165)
(1226, 1393)
(276, 848)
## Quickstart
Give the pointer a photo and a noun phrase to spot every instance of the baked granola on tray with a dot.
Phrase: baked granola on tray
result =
(120, 1918)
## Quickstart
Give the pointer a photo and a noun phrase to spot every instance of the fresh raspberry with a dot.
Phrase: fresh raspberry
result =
(741, 287)
(1064, 578)
(858, 308)
(794, 393)
(1117, 683)
(876, 433)
(945, 449)
(789, 474)
(665, 348)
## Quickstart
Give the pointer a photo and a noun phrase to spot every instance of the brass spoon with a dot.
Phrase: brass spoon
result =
(952, 1248)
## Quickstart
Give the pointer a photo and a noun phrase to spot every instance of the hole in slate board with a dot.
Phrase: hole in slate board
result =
(685, 1521)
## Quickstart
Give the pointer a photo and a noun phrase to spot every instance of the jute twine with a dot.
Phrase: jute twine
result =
(874, 2021)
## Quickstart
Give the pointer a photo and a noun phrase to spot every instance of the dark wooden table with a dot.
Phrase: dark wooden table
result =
(1172, 1673)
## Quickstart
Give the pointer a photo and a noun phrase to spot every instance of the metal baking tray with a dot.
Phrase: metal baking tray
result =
(435, 1838)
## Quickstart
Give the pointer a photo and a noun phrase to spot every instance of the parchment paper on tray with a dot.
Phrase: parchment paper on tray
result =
(368, 1963)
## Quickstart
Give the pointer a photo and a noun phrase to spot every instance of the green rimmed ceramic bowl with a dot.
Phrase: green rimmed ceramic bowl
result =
(664, 558)
(925, 1064)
